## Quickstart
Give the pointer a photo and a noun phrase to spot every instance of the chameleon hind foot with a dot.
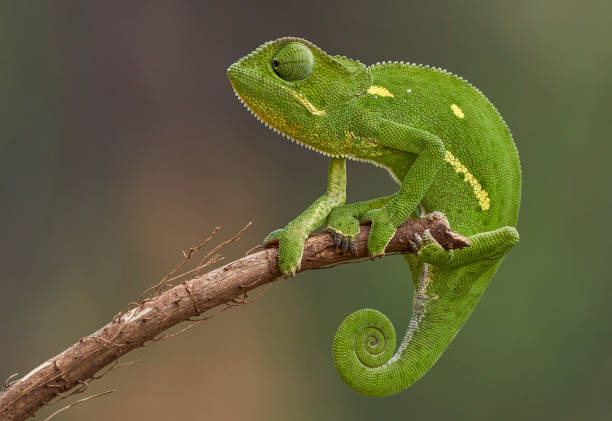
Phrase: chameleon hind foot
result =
(428, 249)
(487, 245)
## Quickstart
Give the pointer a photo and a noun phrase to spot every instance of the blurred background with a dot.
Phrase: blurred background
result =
(121, 144)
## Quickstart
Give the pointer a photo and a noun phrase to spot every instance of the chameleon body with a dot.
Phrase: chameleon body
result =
(441, 140)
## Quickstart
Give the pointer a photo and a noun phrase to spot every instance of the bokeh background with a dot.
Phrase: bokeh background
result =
(121, 144)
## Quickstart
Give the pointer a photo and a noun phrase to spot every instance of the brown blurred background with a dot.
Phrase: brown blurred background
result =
(121, 143)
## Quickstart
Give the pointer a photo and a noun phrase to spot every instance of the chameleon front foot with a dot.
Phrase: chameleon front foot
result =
(273, 237)
(346, 242)
(344, 228)
(290, 249)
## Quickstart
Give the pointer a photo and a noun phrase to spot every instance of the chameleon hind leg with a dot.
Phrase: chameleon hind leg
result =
(485, 246)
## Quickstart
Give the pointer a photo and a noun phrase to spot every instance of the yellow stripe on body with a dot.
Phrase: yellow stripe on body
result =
(479, 192)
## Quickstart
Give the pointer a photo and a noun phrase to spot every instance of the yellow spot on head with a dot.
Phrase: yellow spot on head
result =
(379, 90)
(458, 112)
(479, 192)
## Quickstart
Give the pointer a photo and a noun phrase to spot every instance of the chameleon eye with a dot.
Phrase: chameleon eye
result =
(293, 61)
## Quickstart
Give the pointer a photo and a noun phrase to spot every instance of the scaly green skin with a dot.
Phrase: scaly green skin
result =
(446, 145)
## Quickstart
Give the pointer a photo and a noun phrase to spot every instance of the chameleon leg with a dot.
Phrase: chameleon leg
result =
(429, 151)
(485, 246)
(291, 238)
(343, 221)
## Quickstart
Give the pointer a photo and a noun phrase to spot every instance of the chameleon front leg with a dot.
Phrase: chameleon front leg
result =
(429, 151)
(343, 221)
(291, 238)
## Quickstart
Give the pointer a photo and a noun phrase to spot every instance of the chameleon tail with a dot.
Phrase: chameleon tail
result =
(365, 341)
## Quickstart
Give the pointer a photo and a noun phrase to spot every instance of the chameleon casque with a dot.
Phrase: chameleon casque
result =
(446, 146)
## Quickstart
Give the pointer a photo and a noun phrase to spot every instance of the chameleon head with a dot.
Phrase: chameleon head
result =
(297, 89)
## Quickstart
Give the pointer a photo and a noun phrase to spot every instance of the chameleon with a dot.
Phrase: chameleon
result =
(447, 147)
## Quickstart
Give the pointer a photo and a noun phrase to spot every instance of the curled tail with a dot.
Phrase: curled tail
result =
(365, 341)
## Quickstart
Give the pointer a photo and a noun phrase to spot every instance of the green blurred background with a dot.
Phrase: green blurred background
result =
(121, 143)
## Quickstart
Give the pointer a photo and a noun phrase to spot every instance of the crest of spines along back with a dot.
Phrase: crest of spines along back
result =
(444, 71)
(398, 63)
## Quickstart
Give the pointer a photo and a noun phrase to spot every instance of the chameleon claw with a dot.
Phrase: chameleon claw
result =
(337, 239)
(418, 240)
(353, 245)
(422, 241)
(424, 244)
(428, 238)
(345, 243)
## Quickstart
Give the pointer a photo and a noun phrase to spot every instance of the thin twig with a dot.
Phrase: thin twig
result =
(187, 256)
(183, 330)
(77, 403)
(8, 381)
(225, 243)
(114, 366)
(215, 259)
(84, 384)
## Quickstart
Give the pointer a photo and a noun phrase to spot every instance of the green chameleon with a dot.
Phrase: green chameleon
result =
(446, 146)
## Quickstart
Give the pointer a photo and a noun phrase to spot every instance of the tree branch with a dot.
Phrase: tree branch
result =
(78, 364)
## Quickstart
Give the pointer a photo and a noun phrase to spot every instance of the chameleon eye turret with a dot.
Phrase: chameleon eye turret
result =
(293, 61)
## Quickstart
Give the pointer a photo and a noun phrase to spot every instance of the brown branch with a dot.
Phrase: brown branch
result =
(226, 285)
